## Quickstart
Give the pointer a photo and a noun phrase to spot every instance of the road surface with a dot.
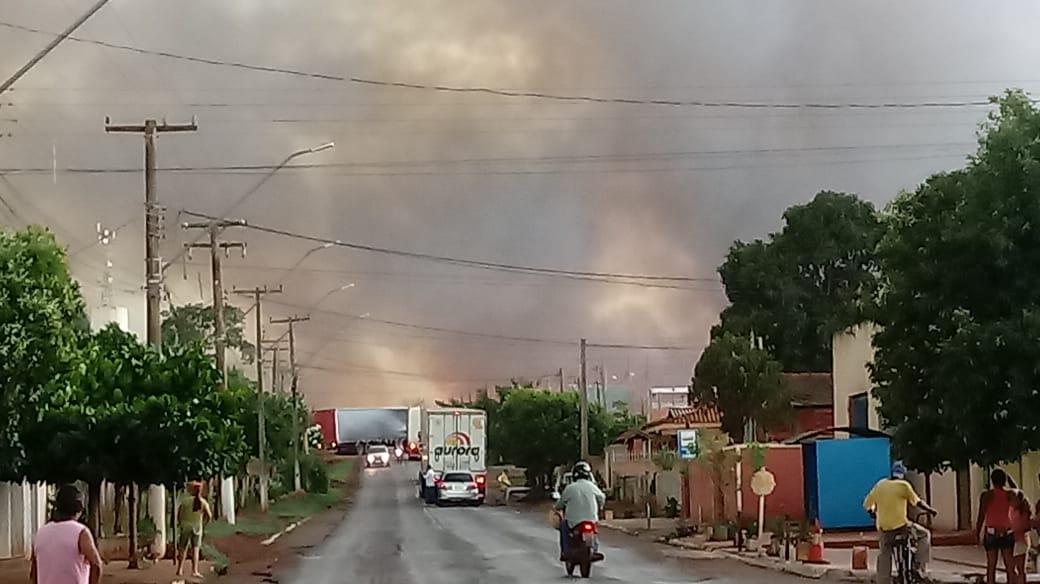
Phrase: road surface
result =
(389, 537)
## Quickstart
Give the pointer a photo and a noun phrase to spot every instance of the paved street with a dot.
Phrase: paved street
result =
(390, 538)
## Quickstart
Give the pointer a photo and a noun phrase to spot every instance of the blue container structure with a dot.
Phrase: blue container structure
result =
(838, 476)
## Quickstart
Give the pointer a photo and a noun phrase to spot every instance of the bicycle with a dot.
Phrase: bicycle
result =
(908, 568)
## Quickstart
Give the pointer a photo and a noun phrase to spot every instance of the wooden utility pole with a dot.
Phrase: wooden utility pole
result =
(583, 396)
(291, 321)
(275, 346)
(258, 293)
(215, 246)
(152, 216)
(563, 381)
(153, 281)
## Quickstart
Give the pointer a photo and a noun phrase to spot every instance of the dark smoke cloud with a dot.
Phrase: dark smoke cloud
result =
(658, 220)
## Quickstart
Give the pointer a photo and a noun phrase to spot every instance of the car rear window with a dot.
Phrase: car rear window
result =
(377, 449)
(458, 477)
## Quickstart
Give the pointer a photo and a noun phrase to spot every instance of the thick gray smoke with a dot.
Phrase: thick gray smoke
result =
(676, 187)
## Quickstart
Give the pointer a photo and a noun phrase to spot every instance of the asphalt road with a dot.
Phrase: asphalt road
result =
(389, 537)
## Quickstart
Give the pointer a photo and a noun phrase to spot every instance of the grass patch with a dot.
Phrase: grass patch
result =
(220, 561)
(287, 510)
(340, 470)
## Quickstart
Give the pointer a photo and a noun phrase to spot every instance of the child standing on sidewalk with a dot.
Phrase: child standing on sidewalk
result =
(1021, 517)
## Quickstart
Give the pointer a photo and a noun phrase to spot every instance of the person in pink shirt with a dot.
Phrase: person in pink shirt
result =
(1021, 520)
(64, 551)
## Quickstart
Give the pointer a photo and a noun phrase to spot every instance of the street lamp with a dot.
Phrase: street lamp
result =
(331, 292)
(327, 340)
(310, 252)
(223, 216)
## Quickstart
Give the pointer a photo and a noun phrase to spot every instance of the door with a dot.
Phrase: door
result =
(858, 411)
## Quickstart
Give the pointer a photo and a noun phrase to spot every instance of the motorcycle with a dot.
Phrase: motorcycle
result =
(581, 552)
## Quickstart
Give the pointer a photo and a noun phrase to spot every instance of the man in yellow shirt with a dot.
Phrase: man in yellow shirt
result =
(888, 501)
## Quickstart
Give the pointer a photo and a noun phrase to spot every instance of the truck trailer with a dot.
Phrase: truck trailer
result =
(343, 429)
(456, 440)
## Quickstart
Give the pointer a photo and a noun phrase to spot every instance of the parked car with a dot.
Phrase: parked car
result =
(459, 488)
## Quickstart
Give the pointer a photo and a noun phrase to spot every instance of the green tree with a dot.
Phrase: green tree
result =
(278, 415)
(955, 364)
(541, 430)
(190, 323)
(744, 382)
(135, 417)
(800, 286)
(42, 323)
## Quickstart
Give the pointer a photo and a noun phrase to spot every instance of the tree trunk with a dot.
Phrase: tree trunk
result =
(720, 498)
(94, 508)
(117, 524)
(132, 510)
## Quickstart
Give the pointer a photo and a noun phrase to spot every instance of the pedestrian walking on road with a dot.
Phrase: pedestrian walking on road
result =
(64, 551)
(192, 514)
(993, 526)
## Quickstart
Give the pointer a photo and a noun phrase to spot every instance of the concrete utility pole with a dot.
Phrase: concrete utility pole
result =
(291, 321)
(258, 293)
(152, 217)
(215, 245)
(153, 280)
(563, 381)
(583, 396)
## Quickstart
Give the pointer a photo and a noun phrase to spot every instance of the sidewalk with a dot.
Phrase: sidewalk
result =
(950, 564)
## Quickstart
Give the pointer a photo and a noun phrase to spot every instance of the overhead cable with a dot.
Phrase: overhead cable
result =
(505, 92)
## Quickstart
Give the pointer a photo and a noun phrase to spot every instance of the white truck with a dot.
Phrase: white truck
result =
(456, 440)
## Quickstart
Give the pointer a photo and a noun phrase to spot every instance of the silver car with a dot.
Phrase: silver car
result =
(459, 488)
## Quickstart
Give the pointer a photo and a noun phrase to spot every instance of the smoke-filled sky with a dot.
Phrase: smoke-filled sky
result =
(581, 186)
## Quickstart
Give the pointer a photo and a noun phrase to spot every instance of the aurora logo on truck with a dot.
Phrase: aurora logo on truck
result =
(456, 444)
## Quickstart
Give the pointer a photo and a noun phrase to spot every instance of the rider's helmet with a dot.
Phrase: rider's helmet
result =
(581, 470)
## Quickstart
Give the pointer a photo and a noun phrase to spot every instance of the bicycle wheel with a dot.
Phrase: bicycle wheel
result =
(901, 571)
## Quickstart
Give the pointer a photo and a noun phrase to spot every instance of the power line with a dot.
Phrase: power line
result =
(505, 92)
(376, 373)
(394, 323)
(561, 159)
(441, 279)
(469, 263)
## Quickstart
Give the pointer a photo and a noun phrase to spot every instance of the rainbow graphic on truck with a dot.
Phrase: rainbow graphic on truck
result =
(456, 444)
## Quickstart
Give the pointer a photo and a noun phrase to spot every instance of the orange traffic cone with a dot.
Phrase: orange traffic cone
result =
(816, 545)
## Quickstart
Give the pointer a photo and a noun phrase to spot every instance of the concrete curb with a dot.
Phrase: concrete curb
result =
(808, 571)
(275, 537)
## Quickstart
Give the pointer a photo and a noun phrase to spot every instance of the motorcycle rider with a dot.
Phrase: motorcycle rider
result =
(580, 501)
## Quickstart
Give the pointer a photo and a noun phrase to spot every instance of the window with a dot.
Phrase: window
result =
(859, 411)
(458, 477)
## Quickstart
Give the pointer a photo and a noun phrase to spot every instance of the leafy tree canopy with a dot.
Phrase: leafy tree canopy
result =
(539, 429)
(744, 382)
(42, 323)
(957, 352)
(191, 323)
(807, 282)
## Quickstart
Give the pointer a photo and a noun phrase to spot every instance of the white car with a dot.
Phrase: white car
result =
(378, 455)
(460, 488)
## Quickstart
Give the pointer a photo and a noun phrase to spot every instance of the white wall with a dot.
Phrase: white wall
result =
(851, 352)
(23, 510)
